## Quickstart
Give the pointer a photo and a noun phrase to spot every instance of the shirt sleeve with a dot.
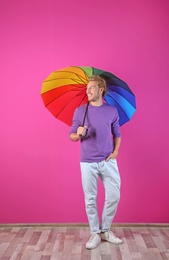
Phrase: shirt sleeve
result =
(75, 122)
(115, 127)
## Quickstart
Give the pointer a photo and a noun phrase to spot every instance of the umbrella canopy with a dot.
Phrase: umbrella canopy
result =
(64, 90)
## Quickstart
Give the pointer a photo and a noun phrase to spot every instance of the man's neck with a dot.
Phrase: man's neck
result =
(97, 103)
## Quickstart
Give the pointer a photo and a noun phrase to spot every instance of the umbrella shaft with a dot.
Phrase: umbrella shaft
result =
(85, 114)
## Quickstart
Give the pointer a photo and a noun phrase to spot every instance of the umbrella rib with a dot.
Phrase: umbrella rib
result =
(80, 77)
(118, 94)
(76, 81)
(70, 101)
(66, 92)
(118, 105)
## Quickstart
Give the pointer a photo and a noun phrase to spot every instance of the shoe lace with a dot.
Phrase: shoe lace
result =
(110, 233)
(92, 237)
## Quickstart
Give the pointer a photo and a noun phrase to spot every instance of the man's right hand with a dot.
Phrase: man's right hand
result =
(82, 130)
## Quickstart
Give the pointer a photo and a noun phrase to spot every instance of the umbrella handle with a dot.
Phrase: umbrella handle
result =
(84, 135)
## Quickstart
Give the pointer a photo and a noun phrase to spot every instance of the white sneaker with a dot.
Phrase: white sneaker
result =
(93, 242)
(110, 237)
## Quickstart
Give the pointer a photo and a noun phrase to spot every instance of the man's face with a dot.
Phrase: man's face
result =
(93, 91)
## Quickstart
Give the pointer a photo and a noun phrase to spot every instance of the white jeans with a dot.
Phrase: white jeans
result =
(109, 174)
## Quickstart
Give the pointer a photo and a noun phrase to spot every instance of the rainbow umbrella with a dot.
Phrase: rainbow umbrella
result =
(64, 90)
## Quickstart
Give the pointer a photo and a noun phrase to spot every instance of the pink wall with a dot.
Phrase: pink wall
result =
(39, 166)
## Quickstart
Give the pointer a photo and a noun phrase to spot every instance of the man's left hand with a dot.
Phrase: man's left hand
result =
(113, 155)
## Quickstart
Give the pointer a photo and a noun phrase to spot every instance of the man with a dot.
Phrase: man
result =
(100, 141)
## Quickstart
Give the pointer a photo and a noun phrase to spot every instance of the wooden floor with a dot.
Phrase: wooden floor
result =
(68, 243)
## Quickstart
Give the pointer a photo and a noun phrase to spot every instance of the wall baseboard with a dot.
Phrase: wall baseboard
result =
(81, 225)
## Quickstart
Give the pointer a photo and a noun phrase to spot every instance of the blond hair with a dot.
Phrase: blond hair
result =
(101, 83)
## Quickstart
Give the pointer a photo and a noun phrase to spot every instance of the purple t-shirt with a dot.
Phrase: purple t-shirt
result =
(103, 125)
